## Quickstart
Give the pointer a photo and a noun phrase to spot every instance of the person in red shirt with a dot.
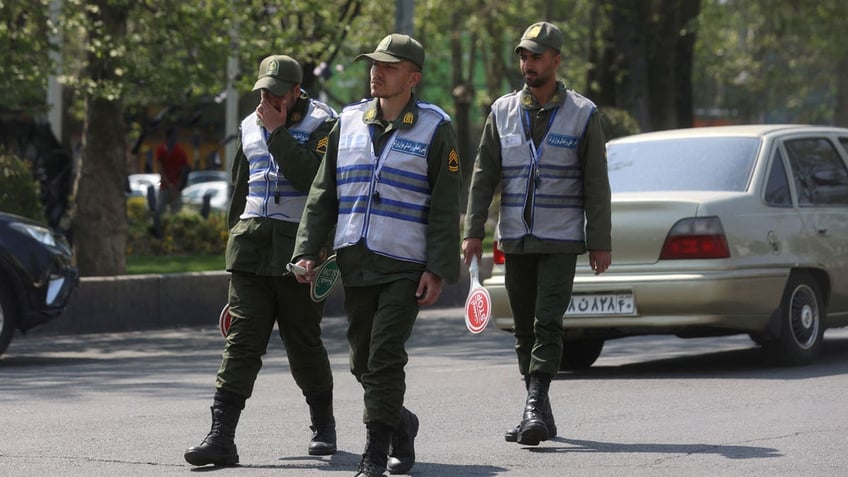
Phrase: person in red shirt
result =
(173, 164)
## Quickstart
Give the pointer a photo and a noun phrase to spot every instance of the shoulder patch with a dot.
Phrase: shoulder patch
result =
(453, 161)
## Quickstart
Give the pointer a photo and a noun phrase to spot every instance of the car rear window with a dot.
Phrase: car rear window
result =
(706, 164)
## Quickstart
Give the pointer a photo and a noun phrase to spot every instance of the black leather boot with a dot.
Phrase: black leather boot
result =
(323, 424)
(402, 452)
(511, 435)
(375, 457)
(218, 448)
(533, 429)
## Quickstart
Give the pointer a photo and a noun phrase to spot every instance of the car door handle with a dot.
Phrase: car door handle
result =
(822, 232)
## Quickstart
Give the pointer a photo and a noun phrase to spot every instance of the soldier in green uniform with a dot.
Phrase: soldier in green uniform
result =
(390, 185)
(282, 143)
(545, 146)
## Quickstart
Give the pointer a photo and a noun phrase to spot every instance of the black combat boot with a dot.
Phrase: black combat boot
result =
(375, 457)
(533, 428)
(511, 435)
(218, 448)
(323, 424)
(402, 452)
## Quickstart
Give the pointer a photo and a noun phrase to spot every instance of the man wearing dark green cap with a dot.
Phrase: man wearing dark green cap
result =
(281, 146)
(544, 145)
(389, 185)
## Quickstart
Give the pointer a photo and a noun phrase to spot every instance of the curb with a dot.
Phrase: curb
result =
(143, 302)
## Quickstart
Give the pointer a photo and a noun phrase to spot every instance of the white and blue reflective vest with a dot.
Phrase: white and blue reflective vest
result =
(550, 180)
(385, 200)
(269, 193)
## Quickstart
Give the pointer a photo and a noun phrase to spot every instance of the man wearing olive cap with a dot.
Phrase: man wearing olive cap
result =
(281, 146)
(389, 185)
(544, 145)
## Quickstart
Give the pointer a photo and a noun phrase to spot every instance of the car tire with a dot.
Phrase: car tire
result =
(8, 318)
(580, 354)
(759, 338)
(802, 318)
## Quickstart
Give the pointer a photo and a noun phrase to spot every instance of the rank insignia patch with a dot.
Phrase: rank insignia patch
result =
(408, 118)
(322, 144)
(453, 161)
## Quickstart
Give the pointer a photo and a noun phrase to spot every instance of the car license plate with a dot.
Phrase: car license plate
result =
(605, 304)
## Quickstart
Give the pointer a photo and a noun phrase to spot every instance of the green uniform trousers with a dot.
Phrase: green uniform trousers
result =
(381, 318)
(256, 303)
(539, 289)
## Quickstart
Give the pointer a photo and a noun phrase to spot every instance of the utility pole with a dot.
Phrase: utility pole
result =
(231, 117)
(403, 17)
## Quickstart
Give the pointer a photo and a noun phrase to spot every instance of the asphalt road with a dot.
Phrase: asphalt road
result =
(129, 404)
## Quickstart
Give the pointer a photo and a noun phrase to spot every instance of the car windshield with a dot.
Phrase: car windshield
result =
(705, 164)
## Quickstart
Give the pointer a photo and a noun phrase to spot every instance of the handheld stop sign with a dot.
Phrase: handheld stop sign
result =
(225, 320)
(478, 305)
(326, 276)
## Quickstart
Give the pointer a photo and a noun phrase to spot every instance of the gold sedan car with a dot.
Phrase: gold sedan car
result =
(716, 231)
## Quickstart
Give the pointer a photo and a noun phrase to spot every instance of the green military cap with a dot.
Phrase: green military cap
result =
(539, 37)
(395, 48)
(278, 74)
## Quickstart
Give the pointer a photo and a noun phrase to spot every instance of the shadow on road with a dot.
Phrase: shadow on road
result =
(727, 451)
(746, 360)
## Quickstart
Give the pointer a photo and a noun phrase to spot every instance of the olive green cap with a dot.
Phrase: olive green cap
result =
(395, 48)
(539, 37)
(278, 74)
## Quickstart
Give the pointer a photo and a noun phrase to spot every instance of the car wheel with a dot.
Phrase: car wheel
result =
(802, 317)
(580, 354)
(8, 319)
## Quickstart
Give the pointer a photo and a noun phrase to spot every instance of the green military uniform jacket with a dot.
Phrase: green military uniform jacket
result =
(592, 153)
(362, 267)
(263, 246)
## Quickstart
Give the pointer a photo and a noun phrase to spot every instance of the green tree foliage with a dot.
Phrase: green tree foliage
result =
(773, 61)
(18, 189)
(24, 54)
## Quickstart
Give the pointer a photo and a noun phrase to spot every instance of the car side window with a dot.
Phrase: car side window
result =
(777, 187)
(821, 177)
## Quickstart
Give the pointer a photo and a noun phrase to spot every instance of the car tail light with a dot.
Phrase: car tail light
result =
(497, 254)
(697, 237)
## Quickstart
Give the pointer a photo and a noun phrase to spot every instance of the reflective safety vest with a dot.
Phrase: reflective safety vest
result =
(269, 193)
(547, 180)
(385, 200)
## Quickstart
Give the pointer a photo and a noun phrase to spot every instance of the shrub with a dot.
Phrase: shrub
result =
(19, 190)
(186, 233)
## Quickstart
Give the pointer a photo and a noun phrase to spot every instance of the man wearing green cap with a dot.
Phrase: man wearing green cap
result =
(281, 146)
(544, 145)
(390, 185)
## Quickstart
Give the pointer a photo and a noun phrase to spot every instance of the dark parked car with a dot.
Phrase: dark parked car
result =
(36, 275)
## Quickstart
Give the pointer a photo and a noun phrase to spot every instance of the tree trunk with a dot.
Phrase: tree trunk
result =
(631, 70)
(662, 48)
(463, 95)
(100, 224)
